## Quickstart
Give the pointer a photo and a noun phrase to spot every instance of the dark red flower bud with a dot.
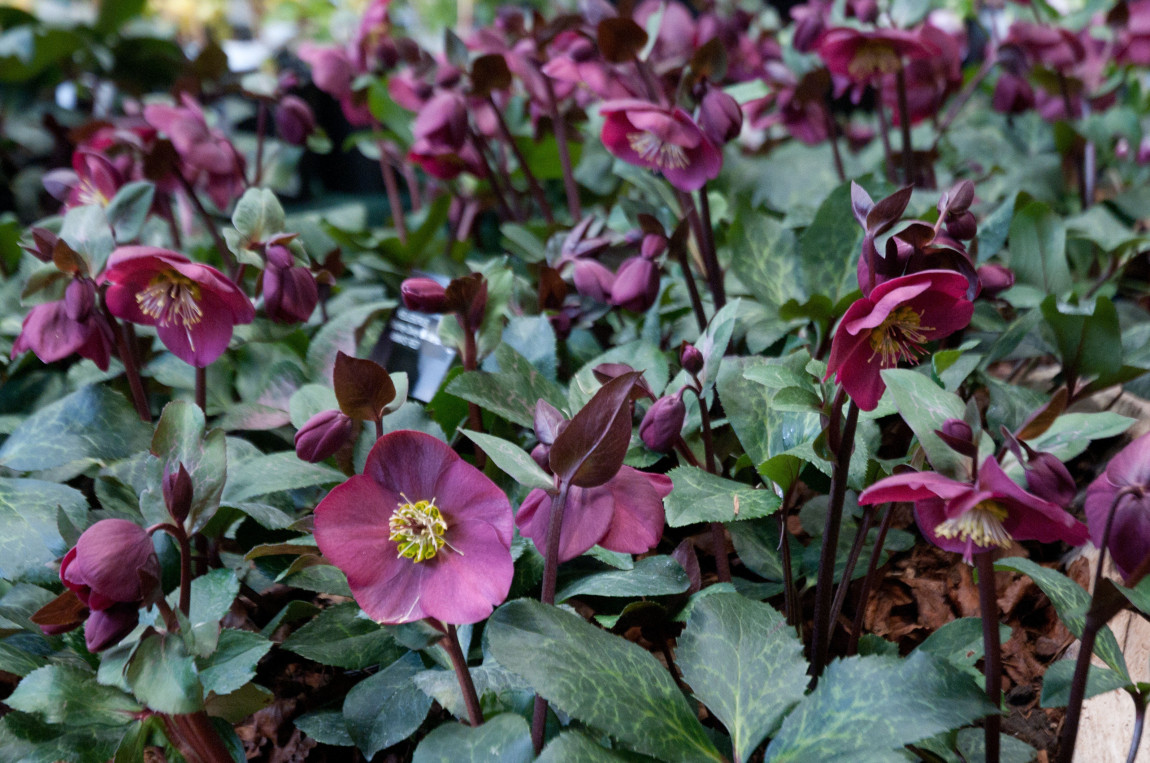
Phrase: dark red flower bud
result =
(1049, 479)
(690, 359)
(322, 435)
(290, 291)
(995, 279)
(178, 492)
(654, 244)
(294, 120)
(959, 436)
(720, 116)
(542, 455)
(106, 627)
(963, 227)
(423, 295)
(636, 285)
(592, 279)
(663, 422)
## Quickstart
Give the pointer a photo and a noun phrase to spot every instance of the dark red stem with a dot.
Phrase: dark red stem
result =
(466, 685)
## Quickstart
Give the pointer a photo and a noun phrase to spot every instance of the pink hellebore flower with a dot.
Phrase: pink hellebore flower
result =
(74, 324)
(92, 180)
(209, 159)
(193, 307)
(290, 291)
(113, 570)
(624, 515)
(420, 534)
(866, 56)
(295, 120)
(893, 323)
(974, 519)
(663, 139)
(441, 147)
(1128, 473)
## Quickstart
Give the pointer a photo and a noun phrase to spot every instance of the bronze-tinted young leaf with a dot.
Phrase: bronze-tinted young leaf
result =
(1041, 419)
(888, 211)
(64, 612)
(67, 259)
(490, 73)
(710, 61)
(620, 39)
(467, 296)
(650, 224)
(591, 449)
(362, 387)
(44, 244)
(605, 372)
(552, 288)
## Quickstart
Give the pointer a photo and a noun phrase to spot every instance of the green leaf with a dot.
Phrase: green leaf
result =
(765, 258)
(387, 707)
(275, 473)
(1089, 343)
(512, 391)
(131, 204)
(925, 407)
(713, 344)
(491, 680)
(1071, 601)
(1058, 677)
(70, 695)
(17, 661)
(828, 248)
(326, 727)
(340, 335)
(258, 215)
(27, 739)
(572, 746)
(744, 663)
(1038, 249)
(1072, 433)
(180, 439)
(865, 708)
(533, 337)
(212, 596)
(763, 431)
(959, 642)
(603, 680)
(343, 637)
(29, 534)
(233, 663)
(86, 230)
(512, 459)
(93, 423)
(640, 355)
(114, 14)
(653, 576)
(699, 496)
(163, 675)
(505, 738)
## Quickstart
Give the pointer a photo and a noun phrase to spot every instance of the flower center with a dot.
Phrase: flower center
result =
(873, 58)
(982, 525)
(418, 529)
(662, 155)
(899, 337)
(171, 299)
(89, 194)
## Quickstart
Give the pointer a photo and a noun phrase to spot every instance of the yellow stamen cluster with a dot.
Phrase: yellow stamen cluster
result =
(662, 155)
(981, 525)
(899, 337)
(172, 300)
(874, 58)
(418, 529)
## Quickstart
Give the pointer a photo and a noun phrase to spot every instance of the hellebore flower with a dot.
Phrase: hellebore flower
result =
(92, 180)
(322, 435)
(441, 147)
(663, 422)
(209, 159)
(420, 534)
(892, 324)
(1128, 472)
(663, 139)
(624, 515)
(866, 56)
(720, 116)
(55, 330)
(636, 285)
(973, 519)
(592, 279)
(290, 291)
(193, 307)
(294, 120)
(113, 570)
(424, 295)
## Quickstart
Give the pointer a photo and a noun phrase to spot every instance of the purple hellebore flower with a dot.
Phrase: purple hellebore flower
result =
(424, 295)
(636, 285)
(440, 131)
(720, 116)
(973, 519)
(624, 515)
(290, 290)
(322, 435)
(592, 279)
(92, 180)
(892, 324)
(55, 330)
(295, 120)
(864, 56)
(209, 159)
(663, 422)
(420, 534)
(193, 307)
(113, 570)
(660, 138)
(1127, 473)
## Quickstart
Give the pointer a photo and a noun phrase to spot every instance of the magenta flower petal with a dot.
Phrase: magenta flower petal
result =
(1129, 473)
(111, 556)
(662, 139)
(586, 518)
(467, 586)
(913, 486)
(107, 627)
(637, 524)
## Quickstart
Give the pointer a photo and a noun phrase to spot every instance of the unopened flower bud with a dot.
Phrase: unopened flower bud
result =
(423, 295)
(995, 279)
(959, 436)
(720, 116)
(1049, 479)
(290, 291)
(636, 285)
(178, 492)
(690, 359)
(653, 245)
(294, 120)
(542, 455)
(963, 227)
(593, 280)
(663, 422)
(322, 435)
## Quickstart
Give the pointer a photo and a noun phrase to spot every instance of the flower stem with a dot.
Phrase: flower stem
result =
(202, 388)
(988, 607)
(823, 626)
(692, 288)
(261, 128)
(718, 534)
(852, 560)
(884, 132)
(547, 596)
(221, 246)
(904, 123)
(710, 263)
(196, 738)
(868, 579)
(833, 135)
(471, 363)
(963, 98)
(714, 272)
(124, 337)
(559, 127)
(393, 199)
(507, 211)
(463, 674)
(532, 182)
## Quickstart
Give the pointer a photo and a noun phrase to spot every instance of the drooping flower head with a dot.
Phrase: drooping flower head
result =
(193, 307)
(1128, 474)
(864, 56)
(663, 139)
(975, 518)
(420, 534)
(92, 180)
(208, 158)
(55, 330)
(893, 324)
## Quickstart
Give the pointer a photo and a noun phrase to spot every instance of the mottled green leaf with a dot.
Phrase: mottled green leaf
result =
(29, 533)
(1072, 433)
(512, 459)
(764, 256)
(163, 675)
(326, 727)
(274, 473)
(233, 663)
(258, 215)
(1038, 249)
(180, 439)
(763, 431)
(490, 679)
(653, 576)
(829, 247)
(27, 739)
(574, 746)
(1058, 677)
(865, 708)
(129, 208)
(70, 695)
(387, 707)
(94, 422)
(511, 392)
(699, 496)
(601, 679)
(925, 407)
(342, 636)
(505, 738)
(744, 663)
